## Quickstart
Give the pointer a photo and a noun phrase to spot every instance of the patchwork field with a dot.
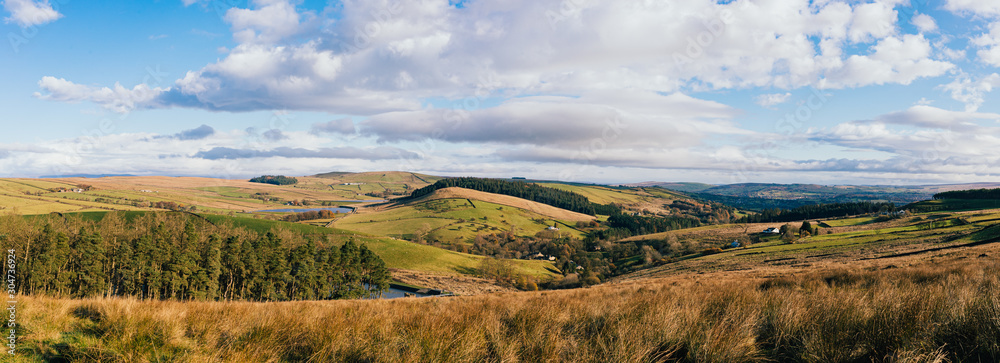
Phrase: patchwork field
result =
(857, 242)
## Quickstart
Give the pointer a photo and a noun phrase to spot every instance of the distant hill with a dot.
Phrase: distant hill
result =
(758, 196)
(680, 187)
(375, 184)
(381, 177)
(81, 176)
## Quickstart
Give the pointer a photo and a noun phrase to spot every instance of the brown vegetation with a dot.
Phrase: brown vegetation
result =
(906, 314)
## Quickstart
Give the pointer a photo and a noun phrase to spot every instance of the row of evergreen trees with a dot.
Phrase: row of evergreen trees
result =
(176, 256)
(275, 179)
(969, 194)
(533, 192)
(817, 211)
(624, 225)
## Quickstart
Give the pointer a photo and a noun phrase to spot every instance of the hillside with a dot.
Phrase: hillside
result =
(940, 312)
(651, 201)
(33, 196)
(758, 196)
(535, 207)
(865, 242)
(378, 184)
(455, 215)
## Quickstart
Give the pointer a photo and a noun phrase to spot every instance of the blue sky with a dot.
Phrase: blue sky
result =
(823, 91)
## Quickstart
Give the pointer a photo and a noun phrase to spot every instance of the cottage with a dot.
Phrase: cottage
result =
(772, 230)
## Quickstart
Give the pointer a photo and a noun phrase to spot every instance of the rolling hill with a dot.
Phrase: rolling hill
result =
(369, 185)
(757, 196)
(454, 215)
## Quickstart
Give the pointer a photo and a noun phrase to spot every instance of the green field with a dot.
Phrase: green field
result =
(848, 221)
(452, 221)
(907, 236)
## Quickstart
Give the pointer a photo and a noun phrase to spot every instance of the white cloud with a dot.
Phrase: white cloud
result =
(269, 22)
(117, 98)
(972, 92)
(978, 7)
(769, 100)
(942, 140)
(925, 23)
(383, 56)
(894, 60)
(989, 45)
(633, 120)
(26, 13)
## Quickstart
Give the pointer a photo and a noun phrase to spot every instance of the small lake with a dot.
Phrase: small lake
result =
(300, 210)
(398, 291)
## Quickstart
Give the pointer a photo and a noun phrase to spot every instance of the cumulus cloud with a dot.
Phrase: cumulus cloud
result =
(925, 23)
(770, 100)
(382, 56)
(26, 13)
(978, 7)
(989, 45)
(339, 126)
(117, 98)
(972, 92)
(347, 152)
(930, 136)
(895, 60)
(269, 22)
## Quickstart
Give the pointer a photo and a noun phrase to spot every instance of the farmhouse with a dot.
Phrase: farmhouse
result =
(772, 230)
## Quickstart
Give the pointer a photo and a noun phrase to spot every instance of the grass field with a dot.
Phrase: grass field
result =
(933, 313)
(857, 242)
(452, 220)
(34, 196)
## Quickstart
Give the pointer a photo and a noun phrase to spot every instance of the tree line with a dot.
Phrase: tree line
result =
(161, 256)
(533, 192)
(969, 194)
(625, 225)
(817, 211)
(275, 179)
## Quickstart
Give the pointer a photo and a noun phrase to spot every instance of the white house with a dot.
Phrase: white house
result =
(772, 230)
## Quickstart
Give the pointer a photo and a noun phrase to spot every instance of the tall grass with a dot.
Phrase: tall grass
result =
(929, 314)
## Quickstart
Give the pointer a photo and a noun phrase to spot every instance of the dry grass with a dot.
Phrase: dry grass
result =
(923, 314)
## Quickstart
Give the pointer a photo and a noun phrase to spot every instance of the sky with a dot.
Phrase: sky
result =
(785, 91)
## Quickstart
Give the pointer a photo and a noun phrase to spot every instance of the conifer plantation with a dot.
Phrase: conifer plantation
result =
(175, 256)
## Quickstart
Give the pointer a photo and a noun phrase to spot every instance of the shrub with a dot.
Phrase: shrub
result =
(711, 251)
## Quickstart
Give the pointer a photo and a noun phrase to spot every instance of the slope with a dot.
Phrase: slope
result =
(455, 215)
(857, 242)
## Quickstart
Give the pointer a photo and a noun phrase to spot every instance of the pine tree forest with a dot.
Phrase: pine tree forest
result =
(175, 256)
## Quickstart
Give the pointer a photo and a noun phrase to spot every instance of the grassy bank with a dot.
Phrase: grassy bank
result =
(907, 314)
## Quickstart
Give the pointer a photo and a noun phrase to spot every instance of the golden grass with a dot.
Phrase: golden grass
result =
(900, 315)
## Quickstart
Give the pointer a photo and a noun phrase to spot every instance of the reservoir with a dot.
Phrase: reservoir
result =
(397, 291)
